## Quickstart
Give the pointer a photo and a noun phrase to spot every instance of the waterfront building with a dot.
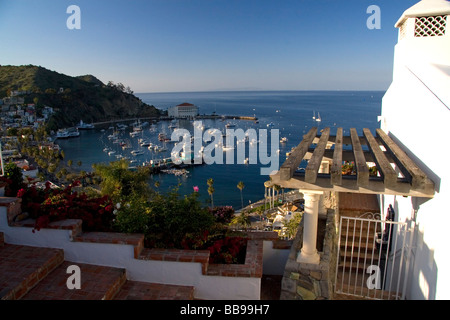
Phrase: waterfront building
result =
(184, 110)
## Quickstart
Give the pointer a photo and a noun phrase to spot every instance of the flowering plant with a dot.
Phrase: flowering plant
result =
(228, 250)
(222, 214)
(47, 205)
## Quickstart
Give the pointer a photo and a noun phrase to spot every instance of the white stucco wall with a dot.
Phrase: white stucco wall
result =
(122, 256)
(415, 113)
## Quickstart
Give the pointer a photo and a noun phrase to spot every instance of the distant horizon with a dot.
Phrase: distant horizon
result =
(263, 90)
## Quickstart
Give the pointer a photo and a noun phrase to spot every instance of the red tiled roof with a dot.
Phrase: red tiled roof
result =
(185, 105)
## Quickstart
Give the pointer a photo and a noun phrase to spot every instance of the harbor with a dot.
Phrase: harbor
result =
(293, 119)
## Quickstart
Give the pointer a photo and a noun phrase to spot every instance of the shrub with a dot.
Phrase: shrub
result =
(14, 179)
(132, 216)
(174, 219)
(222, 214)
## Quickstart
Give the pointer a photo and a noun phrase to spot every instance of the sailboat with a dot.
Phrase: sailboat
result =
(314, 115)
(318, 119)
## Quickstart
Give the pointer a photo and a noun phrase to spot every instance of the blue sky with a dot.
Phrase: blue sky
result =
(203, 45)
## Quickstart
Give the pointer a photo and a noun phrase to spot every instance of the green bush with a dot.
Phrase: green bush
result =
(14, 178)
(178, 222)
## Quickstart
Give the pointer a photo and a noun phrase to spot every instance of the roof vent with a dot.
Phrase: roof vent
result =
(433, 26)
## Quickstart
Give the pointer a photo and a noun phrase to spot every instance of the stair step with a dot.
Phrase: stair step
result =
(354, 265)
(135, 290)
(22, 267)
(97, 283)
(355, 284)
(347, 256)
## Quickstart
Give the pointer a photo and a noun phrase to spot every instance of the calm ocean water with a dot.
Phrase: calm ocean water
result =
(290, 111)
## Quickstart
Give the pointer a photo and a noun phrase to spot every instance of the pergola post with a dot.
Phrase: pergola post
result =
(308, 252)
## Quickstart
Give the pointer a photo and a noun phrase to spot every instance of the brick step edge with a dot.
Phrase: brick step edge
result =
(35, 277)
(97, 283)
(136, 290)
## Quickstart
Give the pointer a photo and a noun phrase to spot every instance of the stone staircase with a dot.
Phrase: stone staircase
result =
(358, 249)
(36, 273)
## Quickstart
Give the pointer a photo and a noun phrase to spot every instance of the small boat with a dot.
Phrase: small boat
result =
(162, 136)
(62, 134)
(137, 152)
(74, 134)
(270, 124)
(318, 119)
(85, 126)
(159, 149)
(283, 140)
(113, 136)
(110, 153)
(145, 143)
(134, 133)
(230, 125)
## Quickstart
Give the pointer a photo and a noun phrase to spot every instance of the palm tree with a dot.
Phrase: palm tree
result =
(210, 183)
(242, 219)
(277, 189)
(241, 186)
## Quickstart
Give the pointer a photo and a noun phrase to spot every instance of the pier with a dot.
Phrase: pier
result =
(165, 118)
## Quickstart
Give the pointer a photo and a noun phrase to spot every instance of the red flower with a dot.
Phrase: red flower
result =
(21, 193)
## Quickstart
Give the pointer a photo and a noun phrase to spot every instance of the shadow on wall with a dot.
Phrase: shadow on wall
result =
(421, 267)
(423, 277)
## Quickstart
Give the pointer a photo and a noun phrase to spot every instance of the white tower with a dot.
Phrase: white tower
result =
(416, 114)
(422, 53)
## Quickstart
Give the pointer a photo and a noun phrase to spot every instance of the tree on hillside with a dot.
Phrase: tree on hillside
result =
(211, 190)
(241, 186)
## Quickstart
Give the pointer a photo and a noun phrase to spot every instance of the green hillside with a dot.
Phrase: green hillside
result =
(75, 98)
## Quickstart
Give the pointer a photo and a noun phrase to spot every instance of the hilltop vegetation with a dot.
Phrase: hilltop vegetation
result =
(73, 98)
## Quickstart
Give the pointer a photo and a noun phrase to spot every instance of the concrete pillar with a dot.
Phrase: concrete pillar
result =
(308, 252)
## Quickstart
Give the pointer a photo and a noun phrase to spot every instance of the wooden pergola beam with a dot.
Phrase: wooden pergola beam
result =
(316, 160)
(336, 167)
(383, 165)
(362, 171)
(349, 184)
(291, 164)
(410, 170)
